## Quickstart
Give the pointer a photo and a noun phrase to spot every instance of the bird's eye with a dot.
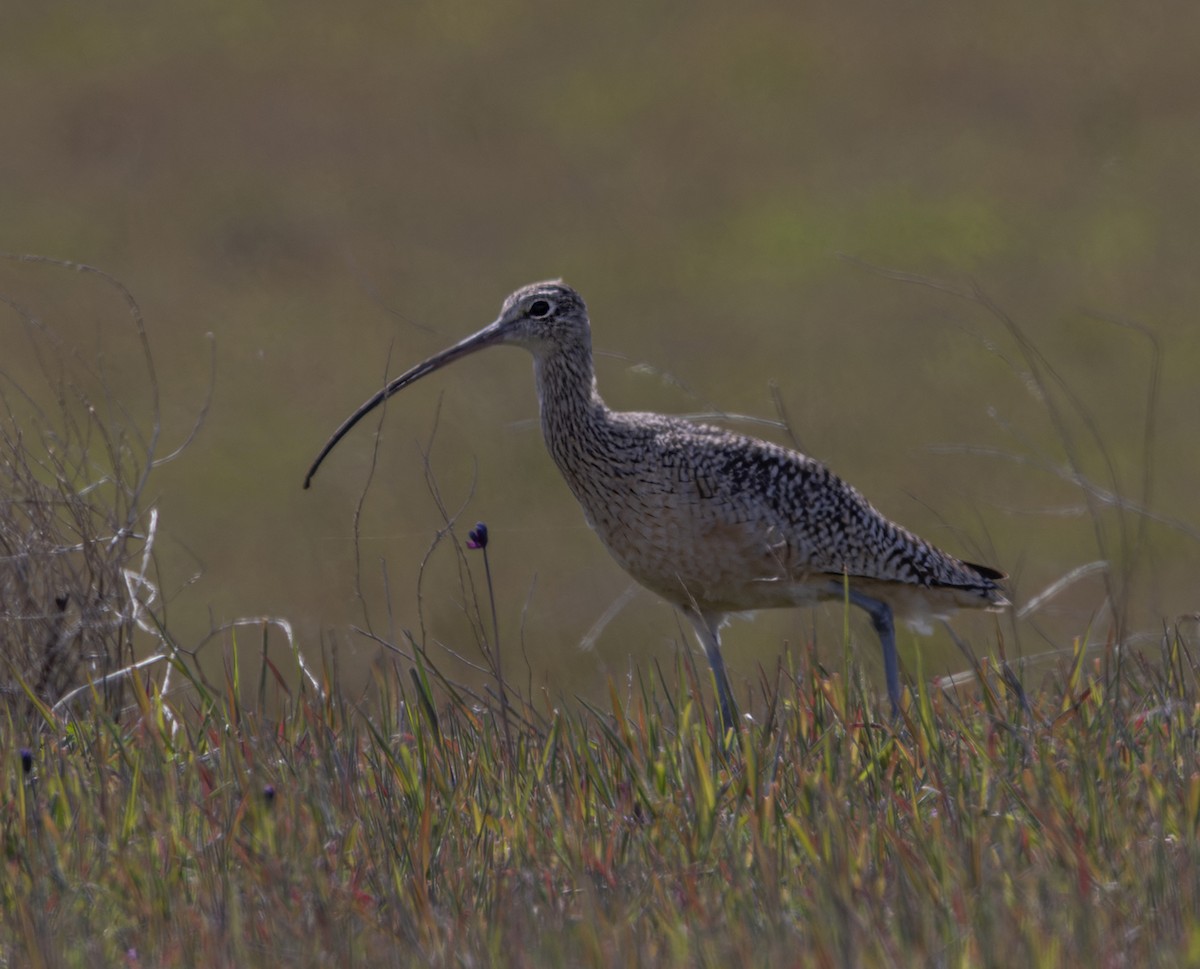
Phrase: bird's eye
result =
(539, 309)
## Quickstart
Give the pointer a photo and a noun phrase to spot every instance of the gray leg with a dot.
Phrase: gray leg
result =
(881, 619)
(706, 631)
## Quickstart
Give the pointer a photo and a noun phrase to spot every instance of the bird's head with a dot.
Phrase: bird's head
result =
(542, 317)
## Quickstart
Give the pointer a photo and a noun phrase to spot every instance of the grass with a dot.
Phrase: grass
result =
(977, 831)
(154, 814)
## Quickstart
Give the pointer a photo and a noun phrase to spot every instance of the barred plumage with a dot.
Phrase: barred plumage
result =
(713, 522)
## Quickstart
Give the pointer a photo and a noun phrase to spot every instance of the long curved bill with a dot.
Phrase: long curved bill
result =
(490, 335)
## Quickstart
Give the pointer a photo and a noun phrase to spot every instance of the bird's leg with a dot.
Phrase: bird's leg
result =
(881, 620)
(710, 638)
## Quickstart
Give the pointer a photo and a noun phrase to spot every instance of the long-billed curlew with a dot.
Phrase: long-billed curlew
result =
(715, 523)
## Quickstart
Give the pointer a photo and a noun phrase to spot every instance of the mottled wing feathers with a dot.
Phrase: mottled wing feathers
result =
(814, 521)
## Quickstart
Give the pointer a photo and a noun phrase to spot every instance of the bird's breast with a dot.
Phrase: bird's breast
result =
(676, 533)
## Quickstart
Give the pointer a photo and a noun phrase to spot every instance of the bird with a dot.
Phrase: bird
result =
(715, 522)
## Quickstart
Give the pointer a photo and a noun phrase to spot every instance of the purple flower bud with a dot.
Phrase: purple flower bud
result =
(477, 537)
(26, 759)
(269, 794)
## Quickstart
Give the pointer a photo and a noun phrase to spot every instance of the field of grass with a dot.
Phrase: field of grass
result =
(988, 827)
(305, 197)
(232, 803)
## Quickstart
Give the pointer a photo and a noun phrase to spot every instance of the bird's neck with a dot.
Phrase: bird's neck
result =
(571, 407)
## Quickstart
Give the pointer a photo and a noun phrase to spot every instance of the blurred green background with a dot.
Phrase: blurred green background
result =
(336, 192)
